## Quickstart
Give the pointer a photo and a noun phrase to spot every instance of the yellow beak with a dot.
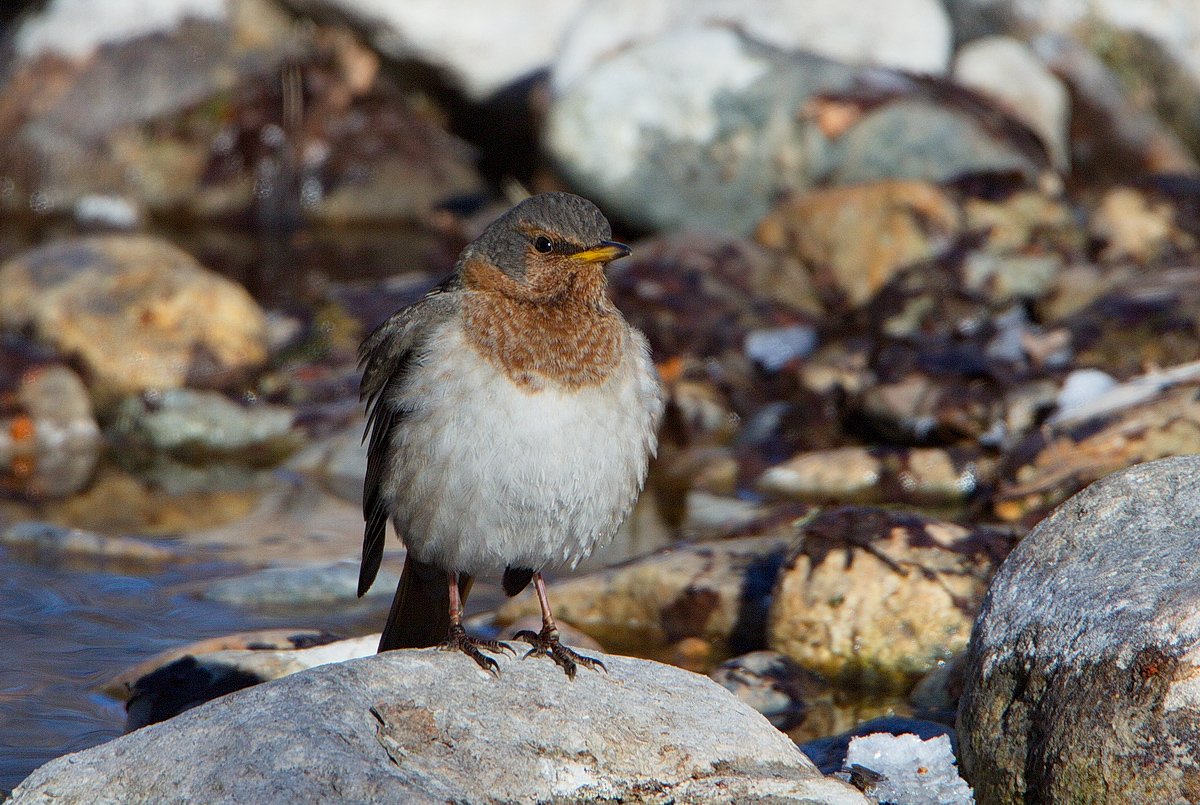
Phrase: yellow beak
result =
(605, 252)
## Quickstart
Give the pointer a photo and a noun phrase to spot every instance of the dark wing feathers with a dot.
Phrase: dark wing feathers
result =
(385, 356)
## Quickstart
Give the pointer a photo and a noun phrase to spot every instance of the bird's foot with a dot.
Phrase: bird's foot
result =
(546, 642)
(459, 640)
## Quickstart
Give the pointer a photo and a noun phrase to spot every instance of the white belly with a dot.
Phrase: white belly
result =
(488, 475)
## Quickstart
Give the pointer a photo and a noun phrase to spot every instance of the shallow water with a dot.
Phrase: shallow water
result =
(65, 631)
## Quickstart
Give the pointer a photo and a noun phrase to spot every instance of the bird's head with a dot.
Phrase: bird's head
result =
(547, 246)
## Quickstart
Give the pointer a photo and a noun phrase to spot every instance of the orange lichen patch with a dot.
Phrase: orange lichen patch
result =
(559, 326)
(21, 428)
(833, 117)
(671, 369)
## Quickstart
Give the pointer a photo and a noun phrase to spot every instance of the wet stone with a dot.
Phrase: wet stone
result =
(203, 426)
(46, 542)
(314, 585)
(928, 476)
(50, 442)
(716, 591)
(772, 684)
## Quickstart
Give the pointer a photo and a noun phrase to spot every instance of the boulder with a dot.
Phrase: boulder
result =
(430, 726)
(873, 599)
(695, 127)
(916, 36)
(1082, 681)
(138, 312)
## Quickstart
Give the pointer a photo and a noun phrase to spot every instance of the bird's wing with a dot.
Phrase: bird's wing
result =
(385, 356)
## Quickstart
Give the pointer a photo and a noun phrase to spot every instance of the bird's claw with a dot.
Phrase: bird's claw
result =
(546, 642)
(459, 640)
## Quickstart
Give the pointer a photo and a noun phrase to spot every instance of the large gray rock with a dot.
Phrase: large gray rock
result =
(909, 35)
(429, 726)
(1083, 677)
(697, 127)
(705, 126)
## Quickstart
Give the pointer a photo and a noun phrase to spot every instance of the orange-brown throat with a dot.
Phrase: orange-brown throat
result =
(560, 327)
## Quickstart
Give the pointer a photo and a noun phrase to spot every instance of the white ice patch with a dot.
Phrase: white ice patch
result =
(915, 772)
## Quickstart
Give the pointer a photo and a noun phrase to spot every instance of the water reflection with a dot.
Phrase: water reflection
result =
(66, 630)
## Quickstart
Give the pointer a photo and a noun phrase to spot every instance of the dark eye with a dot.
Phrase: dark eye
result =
(543, 244)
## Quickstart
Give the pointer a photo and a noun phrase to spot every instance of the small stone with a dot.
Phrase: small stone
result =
(315, 585)
(1083, 386)
(51, 543)
(776, 348)
(1133, 226)
(914, 138)
(50, 448)
(203, 426)
(772, 684)
(844, 474)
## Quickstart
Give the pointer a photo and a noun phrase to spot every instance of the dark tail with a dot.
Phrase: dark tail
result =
(420, 615)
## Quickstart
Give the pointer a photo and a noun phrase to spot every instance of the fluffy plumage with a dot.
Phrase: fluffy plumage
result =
(512, 412)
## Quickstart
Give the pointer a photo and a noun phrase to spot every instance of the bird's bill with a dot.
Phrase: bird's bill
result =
(606, 252)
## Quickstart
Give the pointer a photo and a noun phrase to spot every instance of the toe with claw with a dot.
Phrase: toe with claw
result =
(459, 640)
(546, 642)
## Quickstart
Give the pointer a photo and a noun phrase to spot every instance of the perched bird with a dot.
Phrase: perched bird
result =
(512, 413)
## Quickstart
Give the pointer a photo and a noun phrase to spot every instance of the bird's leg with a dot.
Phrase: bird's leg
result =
(458, 639)
(546, 641)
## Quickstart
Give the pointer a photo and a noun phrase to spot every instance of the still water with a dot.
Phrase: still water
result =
(64, 631)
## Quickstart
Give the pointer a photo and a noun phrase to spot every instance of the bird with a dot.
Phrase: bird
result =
(512, 413)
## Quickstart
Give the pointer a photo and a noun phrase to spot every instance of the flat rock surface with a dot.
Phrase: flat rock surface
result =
(429, 726)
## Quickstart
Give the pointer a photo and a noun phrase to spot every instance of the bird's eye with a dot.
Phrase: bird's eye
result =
(543, 244)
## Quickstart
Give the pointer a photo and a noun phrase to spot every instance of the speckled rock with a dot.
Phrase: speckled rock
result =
(875, 598)
(137, 311)
(1082, 681)
(430, 726)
